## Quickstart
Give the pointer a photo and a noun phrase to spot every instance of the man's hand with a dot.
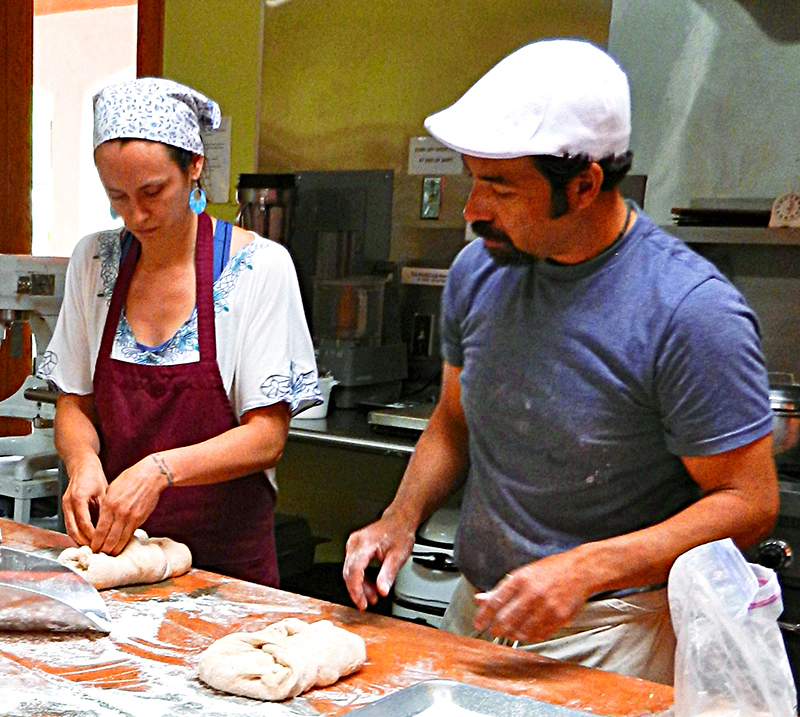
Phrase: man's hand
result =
(391, 541)
(534, 601)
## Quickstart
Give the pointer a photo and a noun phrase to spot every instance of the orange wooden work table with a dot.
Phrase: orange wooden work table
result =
(147, 665)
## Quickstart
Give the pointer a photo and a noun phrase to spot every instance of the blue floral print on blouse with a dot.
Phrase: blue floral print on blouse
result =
(185, 340)
(299, 390)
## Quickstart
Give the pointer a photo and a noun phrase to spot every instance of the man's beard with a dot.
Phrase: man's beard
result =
(505, 255)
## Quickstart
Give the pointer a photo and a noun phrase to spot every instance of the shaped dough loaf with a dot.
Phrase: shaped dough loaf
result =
(142, 560)
(282, 660)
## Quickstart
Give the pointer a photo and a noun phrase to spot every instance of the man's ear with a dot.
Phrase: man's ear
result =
(583, 189)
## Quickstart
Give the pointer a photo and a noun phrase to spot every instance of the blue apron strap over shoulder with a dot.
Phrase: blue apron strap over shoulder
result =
(222, 246)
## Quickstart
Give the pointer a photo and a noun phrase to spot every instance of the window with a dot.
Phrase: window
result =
(79, 46)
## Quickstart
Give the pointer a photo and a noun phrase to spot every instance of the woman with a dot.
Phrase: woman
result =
(181, 350)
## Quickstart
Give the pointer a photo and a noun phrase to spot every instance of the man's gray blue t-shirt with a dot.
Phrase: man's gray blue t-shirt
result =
(582, 385)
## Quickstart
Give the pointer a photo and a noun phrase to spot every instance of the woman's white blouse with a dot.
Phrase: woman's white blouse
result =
(264, 350)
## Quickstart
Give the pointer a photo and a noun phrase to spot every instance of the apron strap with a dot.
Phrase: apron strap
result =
(204, 272)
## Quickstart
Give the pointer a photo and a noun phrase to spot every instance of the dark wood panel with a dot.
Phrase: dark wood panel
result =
(150, 38)
(16, 80)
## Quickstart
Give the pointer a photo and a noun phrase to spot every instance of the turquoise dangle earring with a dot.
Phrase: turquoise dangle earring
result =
(197, 200)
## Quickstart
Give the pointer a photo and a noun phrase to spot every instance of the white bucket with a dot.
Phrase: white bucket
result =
(326, 383)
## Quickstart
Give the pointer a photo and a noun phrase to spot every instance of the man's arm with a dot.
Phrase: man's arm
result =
(740, 501)
(437, 466)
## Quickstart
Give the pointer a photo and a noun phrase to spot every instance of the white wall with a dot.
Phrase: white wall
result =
(715, 91)
(75, 54)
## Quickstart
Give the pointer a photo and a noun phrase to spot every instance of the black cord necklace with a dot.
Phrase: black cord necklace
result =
(622, 231)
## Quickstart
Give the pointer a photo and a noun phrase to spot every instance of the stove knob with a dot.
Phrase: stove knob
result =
(774, 554)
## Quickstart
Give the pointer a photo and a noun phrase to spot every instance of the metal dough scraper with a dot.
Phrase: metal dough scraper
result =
(41, 594)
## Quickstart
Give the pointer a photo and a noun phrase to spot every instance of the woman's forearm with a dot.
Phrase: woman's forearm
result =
(255, 445)
(75, 435)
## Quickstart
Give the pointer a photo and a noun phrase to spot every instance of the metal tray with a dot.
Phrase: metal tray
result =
(449, 694)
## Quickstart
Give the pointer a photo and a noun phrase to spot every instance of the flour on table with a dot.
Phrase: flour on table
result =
(159, 677)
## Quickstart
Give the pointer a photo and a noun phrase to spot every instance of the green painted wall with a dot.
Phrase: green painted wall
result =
(215, 47)
(347, 82)
(343, 84)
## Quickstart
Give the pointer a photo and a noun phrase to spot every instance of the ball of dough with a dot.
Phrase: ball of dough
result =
(282, 660)
(143, 560)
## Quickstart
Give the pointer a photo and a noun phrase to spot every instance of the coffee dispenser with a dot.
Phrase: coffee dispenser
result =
(265, 204)
(338, 231)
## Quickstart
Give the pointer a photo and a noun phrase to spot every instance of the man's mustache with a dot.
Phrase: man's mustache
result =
(485, 230)
(506, 254)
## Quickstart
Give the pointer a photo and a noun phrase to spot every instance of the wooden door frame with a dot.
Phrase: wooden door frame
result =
(16, 101)
(150, 38)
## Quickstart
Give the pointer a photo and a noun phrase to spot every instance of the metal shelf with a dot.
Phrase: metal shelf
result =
(764, 236)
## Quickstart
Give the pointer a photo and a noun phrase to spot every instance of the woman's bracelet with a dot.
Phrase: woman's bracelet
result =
(164, 468)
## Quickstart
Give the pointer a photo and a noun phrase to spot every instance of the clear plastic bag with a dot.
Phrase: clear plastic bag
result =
(730, 659)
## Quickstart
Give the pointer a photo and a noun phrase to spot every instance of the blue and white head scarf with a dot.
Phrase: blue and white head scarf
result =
(156, 109)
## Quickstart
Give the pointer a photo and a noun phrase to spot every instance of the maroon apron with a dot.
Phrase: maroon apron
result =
(143, 409)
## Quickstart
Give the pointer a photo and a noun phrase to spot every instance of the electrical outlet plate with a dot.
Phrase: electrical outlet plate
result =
(422, 340)
(431, 204)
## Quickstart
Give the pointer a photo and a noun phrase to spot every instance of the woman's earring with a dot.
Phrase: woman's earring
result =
(113, 214)
(197, 200)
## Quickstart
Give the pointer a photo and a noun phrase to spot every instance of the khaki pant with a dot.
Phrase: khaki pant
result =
(631, 636)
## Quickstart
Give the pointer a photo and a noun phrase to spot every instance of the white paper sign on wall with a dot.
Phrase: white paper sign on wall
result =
(427, 155)
(216, 174)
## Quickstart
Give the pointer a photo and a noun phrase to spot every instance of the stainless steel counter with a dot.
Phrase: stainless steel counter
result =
(348, 428)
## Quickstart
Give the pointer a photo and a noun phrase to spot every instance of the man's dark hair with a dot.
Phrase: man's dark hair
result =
(559, 171)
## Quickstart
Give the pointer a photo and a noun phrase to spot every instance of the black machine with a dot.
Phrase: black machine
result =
(780, 550)
(337, 227)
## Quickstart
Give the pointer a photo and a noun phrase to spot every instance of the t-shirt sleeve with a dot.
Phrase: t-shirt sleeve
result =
(711, 378)
(454, 307)
(276, 360)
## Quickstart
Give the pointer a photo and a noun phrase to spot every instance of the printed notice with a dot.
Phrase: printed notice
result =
(423, 276)
(216, 176)
(427, 155)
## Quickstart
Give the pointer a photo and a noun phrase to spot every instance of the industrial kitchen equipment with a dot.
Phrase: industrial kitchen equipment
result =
(31, 290)
(779, 550)
(425, 582)
(337, 227)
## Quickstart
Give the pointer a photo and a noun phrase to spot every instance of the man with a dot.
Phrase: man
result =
(603, 392)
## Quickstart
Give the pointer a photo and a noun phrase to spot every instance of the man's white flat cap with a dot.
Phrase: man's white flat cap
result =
(557, 97)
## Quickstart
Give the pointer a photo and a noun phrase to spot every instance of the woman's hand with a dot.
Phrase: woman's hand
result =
(128, 502)
(81, 501)
(78, 444)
